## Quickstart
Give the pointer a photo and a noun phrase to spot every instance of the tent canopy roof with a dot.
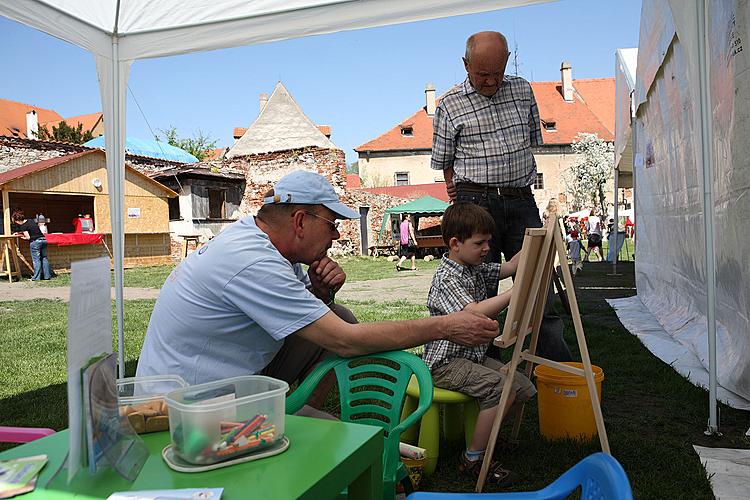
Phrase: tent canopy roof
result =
(152, 149)
(427, 205)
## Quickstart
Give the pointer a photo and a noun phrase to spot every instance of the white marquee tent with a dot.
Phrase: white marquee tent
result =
(118, 32)
(692, 171)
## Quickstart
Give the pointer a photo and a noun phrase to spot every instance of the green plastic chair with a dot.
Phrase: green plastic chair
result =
(372, 389)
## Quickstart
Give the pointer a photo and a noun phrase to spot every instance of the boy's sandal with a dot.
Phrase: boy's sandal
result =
(414, 269)
(496, 474)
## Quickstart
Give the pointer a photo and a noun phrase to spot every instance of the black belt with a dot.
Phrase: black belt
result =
(501, 191)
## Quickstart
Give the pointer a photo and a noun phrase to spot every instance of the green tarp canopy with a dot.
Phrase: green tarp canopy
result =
(425, 206)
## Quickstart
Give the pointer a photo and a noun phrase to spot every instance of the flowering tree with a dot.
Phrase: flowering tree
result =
(586, 178)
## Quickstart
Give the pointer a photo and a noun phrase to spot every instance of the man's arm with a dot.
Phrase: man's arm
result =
(465, 328)
(444, 148)
(535, 128)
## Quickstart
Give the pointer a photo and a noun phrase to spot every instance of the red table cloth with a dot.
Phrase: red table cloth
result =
(74, 238)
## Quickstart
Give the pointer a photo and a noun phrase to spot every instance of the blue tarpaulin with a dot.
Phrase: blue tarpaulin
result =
(152, 148)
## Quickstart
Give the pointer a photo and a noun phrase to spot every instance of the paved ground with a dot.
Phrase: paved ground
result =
(407, 286)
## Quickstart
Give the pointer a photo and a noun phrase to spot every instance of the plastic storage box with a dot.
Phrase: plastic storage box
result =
(226, 419)
(141, 399)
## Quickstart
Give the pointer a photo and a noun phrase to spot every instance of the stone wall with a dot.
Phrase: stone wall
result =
(263, 170)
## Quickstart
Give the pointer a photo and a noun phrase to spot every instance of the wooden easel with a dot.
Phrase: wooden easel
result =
(528, 298)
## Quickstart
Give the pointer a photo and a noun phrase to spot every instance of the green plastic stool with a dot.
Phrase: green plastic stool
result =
(429, 427)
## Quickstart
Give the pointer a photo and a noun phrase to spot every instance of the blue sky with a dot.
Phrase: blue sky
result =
(361, 83)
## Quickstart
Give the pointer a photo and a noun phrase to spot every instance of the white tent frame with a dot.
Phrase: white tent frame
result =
(117, 35)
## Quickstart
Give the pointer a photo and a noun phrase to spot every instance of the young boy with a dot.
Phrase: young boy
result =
(464, 281)
(574, 252)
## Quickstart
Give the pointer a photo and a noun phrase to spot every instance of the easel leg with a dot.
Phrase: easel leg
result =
(6, 262)
(589, 374)
(507, 387)
(17, 267)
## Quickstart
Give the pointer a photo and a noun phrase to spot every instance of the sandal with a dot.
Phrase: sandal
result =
(399, 268)
(496, 474)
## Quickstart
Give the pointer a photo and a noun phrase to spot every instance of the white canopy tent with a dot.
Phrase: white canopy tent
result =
(117, 32)
(693, 173)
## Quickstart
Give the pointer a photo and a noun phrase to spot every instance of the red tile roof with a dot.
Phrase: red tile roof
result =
(239, 132)
(88, 121)
(13, 117)
(592, 111)
(326, 130)
(214, 154)
(353, 181)
(436, 190)
(31, 168)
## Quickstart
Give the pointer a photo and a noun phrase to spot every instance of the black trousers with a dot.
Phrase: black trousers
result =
(513, 214)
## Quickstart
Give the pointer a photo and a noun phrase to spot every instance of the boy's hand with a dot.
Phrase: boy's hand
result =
(470, 329)
(326, 276)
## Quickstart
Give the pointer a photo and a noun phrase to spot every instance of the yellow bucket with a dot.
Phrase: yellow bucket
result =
(564, 403)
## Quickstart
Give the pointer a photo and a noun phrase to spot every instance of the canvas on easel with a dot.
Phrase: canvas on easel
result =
(541, 247)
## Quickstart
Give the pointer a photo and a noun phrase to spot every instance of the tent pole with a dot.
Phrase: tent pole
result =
(116, 195)
(708, 213)
(615, 226)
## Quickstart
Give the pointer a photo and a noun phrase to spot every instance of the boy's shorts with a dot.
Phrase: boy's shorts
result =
(483, 382)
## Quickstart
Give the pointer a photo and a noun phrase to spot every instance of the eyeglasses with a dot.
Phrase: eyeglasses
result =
(335, 225)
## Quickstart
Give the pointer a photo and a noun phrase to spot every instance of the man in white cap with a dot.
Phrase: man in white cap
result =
(242, 304)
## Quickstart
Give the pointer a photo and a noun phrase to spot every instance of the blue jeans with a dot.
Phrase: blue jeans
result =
(513, 214)
(39, 258)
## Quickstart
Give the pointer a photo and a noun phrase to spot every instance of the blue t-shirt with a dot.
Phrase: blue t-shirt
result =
(226, 309)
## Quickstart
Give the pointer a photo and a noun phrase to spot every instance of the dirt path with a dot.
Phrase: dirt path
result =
(408, 286)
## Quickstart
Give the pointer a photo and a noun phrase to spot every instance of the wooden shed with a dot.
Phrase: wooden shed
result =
(69, 186)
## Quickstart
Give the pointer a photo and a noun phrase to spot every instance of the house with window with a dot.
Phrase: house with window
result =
(401, 155)
(23, 120)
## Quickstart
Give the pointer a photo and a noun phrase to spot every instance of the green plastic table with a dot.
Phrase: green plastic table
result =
(323, 458)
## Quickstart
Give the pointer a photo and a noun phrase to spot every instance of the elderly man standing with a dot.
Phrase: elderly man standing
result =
(484, 129)
(242, 303)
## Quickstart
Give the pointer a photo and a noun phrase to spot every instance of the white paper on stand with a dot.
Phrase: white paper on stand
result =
(89, 335)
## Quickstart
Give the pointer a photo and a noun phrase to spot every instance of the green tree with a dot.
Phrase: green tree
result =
(353, 168)
(64, 133)
(586, 178)
(199, 145)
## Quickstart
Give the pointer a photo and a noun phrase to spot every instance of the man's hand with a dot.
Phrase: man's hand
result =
(450, 186)
(326, 276)
(470, 329)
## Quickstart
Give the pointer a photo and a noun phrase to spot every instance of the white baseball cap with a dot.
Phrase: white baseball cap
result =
(308, 188)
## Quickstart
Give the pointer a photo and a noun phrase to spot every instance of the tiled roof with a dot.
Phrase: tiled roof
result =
(436, 190)
(214, 154)
(239, 132)
(13, 117)
(593, 110)
(326, 129)
(88, 121)
(32, 168)
(353, 181)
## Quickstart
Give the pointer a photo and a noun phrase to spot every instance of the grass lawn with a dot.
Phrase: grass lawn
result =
(653, 415)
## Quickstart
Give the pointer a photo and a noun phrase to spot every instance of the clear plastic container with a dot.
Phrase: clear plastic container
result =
(141, 399)
(226, 419)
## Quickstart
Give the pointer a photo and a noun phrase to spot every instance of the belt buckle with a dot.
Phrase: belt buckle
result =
(498, 190)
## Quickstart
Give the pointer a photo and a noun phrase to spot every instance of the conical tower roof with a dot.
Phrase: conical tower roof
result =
(280, 126)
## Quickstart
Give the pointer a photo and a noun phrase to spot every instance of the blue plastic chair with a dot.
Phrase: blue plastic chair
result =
(600, 476)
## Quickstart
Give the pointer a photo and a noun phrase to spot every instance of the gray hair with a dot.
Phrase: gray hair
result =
(471, 42)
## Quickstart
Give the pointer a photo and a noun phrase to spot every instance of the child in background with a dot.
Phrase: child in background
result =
(574, 252)
(464, 281)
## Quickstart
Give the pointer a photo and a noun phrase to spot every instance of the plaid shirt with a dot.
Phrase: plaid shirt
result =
(455, 286)
(488, 140)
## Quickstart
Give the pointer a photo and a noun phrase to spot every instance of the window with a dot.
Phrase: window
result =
(402, 178)
(407, 130)
(539, 183)
(216, 203)
(174, 208)
(549, 125)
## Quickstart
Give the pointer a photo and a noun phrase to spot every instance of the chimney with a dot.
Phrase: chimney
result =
(263, 100)
(566, 75)
(32, 125)
(429, 97)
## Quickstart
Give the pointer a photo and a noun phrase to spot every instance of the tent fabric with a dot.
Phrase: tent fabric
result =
(671, 269)
(117, 33)
(152, 149)
(625, 68)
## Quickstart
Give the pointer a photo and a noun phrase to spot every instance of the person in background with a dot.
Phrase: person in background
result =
(29, 230)
(408, 241)
(41, 221)
(574, 252)
(484, 130)
(595, 236)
